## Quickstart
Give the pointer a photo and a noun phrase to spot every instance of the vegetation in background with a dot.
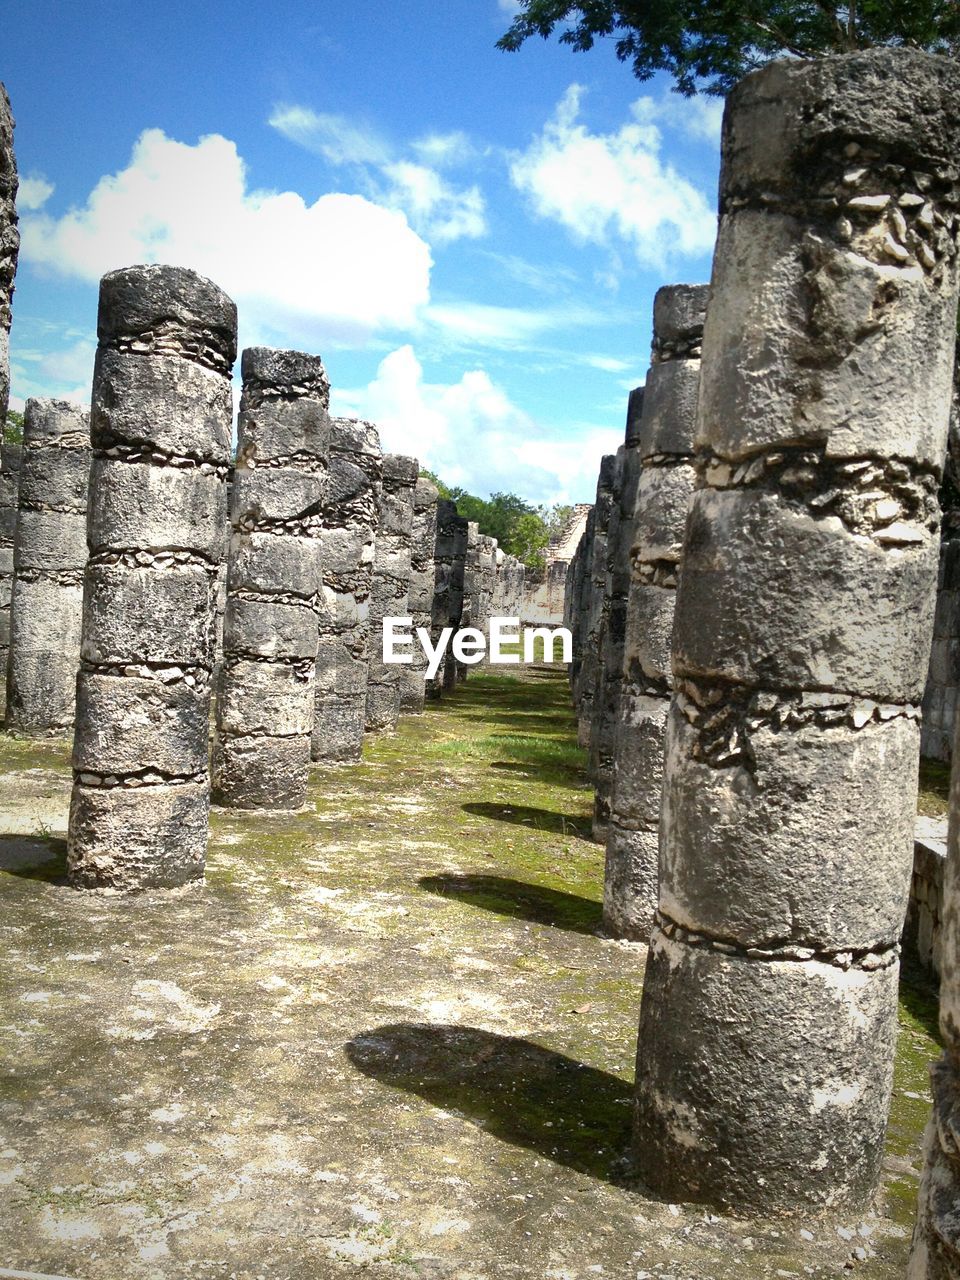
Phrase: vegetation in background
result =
(13, 427)
(710, 47)
(521, 529)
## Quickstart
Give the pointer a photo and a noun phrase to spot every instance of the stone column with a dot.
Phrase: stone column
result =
(9, 245)
(390, 586)
(449, 556)
(595, 581)
(160, 430)
(664, 487)
(470, 611)
(49, 558)
(265, 695)
(9, 488)
(349, 538)
(600, 749)
(606, 711)
(420, 601)
(803, 621)
(576, 601)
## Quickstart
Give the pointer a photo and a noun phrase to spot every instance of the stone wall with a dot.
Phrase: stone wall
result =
(390, 585)
(9, 487)
(423, 539)
(9, 245)
(940, 698)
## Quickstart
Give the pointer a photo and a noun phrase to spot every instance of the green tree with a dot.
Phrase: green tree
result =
(13, 427)
(711, 44)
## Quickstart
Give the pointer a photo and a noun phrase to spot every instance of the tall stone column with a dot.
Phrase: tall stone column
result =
(265, 695)
(49, 558)
(599, 751)
(470, 610)
(449, 558)
(9, 489)
(420, 601)
(664, 488)
(803, 621)
(576, 601)
(390, 587)
(349, 539)
(160, 429)
(595, 582)
(9, 245)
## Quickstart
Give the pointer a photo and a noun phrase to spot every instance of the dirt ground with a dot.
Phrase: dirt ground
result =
(385, 1037)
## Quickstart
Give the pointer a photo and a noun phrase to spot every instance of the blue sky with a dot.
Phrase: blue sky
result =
(471, 239)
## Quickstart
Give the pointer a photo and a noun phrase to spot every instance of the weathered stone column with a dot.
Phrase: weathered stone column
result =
(449, 556)
(390, 587)
(265, 695)
(420, 601)
(606, 712)
(576, 601)
(349, 538)
(595, 582)
(49, 558)
(664, 487)
(803, 621)
(612, 614)
(9, 488)
(9, 245)
(470, 609)
(160, 430)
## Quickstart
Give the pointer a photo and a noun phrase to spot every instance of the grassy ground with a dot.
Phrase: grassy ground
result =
(385, 1037)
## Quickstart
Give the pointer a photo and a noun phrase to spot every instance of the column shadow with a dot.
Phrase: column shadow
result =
(34, 857)
(523, 1094)
(520, 900)
(561, 824)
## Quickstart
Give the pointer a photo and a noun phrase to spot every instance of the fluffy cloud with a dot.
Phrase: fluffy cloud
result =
(65, 373)
(34, 192)
(434, 206)
(470, 433)
(341, 267)
(607, 187)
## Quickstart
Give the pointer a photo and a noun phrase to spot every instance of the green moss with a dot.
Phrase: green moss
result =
(934, 797)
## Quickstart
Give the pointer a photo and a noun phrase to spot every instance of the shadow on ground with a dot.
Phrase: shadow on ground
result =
(562, 824)
(522, 901)
(516, 1090)
(34, 857)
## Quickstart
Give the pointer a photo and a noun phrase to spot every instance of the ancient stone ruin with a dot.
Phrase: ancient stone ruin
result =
(664, 488)
(9, 488)
(9, 244)
(769, 1009)
(349, 536)
(50, 553)
(449, 558)
(390, 585)
(160, 430)
(265, 695)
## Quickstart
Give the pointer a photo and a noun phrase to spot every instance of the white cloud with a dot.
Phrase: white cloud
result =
(65, 373)
(700, 117)
(34, 192)
(471, 434)
(614, 186)
(334, 137)
(341, 267)
(514, 327)
(433, 206)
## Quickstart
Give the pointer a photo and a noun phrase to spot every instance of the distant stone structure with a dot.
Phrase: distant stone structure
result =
(9, 488)
(49, 558)
(577, 601)
(665, 485)
(349, 538)
(9, 245)
(390, 587)
(161, 435)
(765, 1054)
(423, 539)
(470, 612)
(544, 592)
(265, 695)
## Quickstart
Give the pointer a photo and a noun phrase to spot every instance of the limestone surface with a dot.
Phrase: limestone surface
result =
(803, 621)
(423, 538)
(390, 585)
(265, 693)
(161, 405)
(50, 553)
(9, 243)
